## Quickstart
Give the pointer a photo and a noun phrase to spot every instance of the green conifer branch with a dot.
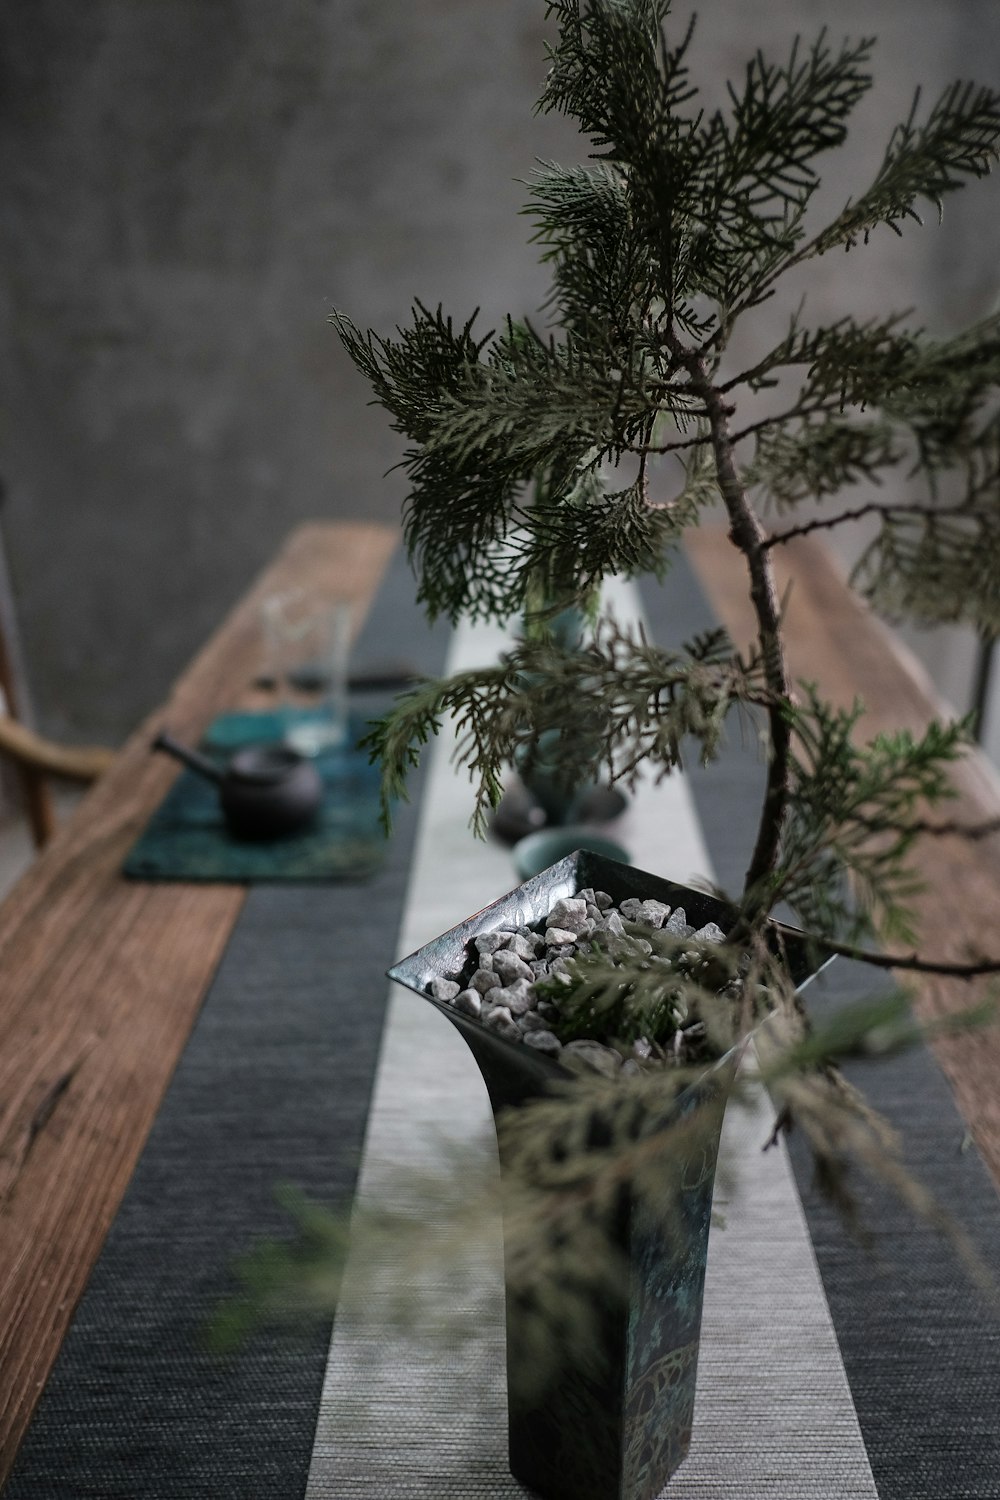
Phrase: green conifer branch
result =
(680, 225)
(957, 141)
(647, 705)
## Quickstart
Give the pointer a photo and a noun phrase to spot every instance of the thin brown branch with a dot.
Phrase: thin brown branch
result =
(747, 533)
(949, 828)
(973, 969)
(793, 413)
(954, 827)
(644, 449)
(744, 432)
(873, 508)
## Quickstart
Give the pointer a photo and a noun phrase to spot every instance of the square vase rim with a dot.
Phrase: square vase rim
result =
(569, 864)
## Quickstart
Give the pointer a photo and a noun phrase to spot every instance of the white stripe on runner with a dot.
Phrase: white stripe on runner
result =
(406, 1417)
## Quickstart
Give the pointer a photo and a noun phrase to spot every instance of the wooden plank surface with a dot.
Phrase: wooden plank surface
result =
(101, 980)
(835, 640)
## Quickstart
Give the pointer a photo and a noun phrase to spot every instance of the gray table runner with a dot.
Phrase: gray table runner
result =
(275, 1085)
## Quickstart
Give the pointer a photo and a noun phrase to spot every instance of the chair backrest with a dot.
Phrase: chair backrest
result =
(29, 758)
(15, 707)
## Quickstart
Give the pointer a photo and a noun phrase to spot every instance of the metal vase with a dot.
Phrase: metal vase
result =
(615, 1424)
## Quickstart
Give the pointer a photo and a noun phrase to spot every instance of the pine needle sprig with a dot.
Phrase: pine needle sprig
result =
(601, 273)
(411, 375)
(758, 172)
(821, 456)
(397, 740)
(539, 403)
(615, 706)
(938, 397)
(958, 140)
(847, 363)
(783, 118)
(938, 567)
(455, 527)
(855, 814)
(612, 71)
(596, 533)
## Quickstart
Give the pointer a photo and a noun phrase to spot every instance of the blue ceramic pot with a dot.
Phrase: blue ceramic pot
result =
(615, 1425)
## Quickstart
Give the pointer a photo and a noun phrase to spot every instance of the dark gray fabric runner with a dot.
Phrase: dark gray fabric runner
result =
(272, 1087)
(920, 1347)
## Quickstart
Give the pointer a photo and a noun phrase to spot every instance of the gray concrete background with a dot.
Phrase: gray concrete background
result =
(190, 185)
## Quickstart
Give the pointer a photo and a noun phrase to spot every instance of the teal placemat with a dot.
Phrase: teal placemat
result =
(186, 838)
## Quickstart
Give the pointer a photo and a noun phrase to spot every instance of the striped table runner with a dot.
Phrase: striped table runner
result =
(826, 1372)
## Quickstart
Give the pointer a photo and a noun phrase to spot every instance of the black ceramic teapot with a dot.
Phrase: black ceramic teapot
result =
(265, 791)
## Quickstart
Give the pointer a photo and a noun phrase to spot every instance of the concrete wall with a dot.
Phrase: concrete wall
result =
(190, 185)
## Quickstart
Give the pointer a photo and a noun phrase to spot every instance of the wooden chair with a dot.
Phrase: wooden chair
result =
(35, 758)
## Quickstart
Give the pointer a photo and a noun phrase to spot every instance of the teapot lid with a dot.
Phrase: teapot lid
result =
(265, 765)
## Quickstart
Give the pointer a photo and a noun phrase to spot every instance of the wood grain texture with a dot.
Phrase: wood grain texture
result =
(835, 640)
(101, 980)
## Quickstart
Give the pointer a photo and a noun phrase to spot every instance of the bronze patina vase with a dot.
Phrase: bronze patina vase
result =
(615, 1424)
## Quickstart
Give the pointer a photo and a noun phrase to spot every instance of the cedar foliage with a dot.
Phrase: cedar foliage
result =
(529, 450)
(529, 465)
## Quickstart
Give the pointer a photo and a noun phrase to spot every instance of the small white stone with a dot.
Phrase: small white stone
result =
(444, 989)
(483, 980)
(678, 923)
(510, 967)
(500, 1020)
(630, 1068)
(594, 1055)
(710, 933)
(489, 942)
(612, 924)
(543, 1041)
(568, 915)
(654, 912)
(517, 997)
(631, 908)
(469, 1002)
(532, 1021)
(603, 900)
(558, 937)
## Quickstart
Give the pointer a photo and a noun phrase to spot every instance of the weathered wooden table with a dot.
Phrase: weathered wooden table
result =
(101, 980)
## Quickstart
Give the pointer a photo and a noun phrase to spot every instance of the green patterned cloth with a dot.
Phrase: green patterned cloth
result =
(187, 839)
